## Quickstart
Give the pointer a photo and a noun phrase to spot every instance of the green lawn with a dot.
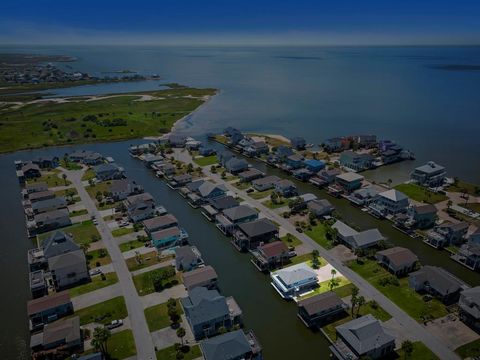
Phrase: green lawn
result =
(420, 351)
(88, 175)
(157, 316)
(404, 296)
(121, 345)
(473, 206)
(92, 190)
(95, 284)
(70, 165)
(277, 205)
(462, 186)
(98, 257)
(344, 291)
(318, 234)
(291, 240)
(78, 212)
(148, 259)
(260, 194)
(241, 185)
(169, 353)
(469, 350)
(81, 232)
(144, 282)
(325, 286)
(206, 160)
(52, 179)
(104, 312)
(421, 194)
(64, 192)
(122, 231)
(52, 124)
(130, 245)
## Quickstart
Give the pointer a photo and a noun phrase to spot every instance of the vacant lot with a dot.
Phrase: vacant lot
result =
(104, 312)
(206, 160)
(81, 232)
(96, 283)
(318, 233)
(421, 194)
(145, 283)
(170, 353)
(157, 316)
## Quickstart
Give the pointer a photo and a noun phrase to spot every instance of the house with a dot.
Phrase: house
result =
(31, 171)
(257, 148)
(206, 151)
(349, 181)
(270, 256)
(333, 144)
(245, 142)
(250, 175)
(180, 180)
(121, 189)
(159, 223)
(47, 162)
(393, 154)
(192, 144)
(140, 207)
(224, 156)
(52, 220)
(321, 309)
(356, 161)
(86, 156)
(302, 174)
(314, 165)
(167, 169)
(236, 165)
(265, 183)
(187, 258)
(469, 255)
(447, 234)
(389, 203)
(294, 161)
(249, 235)
(36, 187)
(208, 312)
(215, 206)
(366, 141)
(232, 217)
(320, 207)
(474, 237)
(140, 149)
(150, 159)
(177, 140)
(108, 171)
(430, 175)
(357, 240)
(48, 308)
(325, 177)
(294, 280)
(230, 131)
(205, 276)
(283, 152)
(41, 195)
(209, 191)
(285, 188)
(38, 284)
(364, 337)
(64, 334)
(398, 260)
(298, 143)
(437, 282)
(422, 216)
(469, 304)
(49, 205)
(363, 196)
(234, 345)
(170, 237)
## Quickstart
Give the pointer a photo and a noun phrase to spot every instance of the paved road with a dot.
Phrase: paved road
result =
(410, 327)
(143, 339)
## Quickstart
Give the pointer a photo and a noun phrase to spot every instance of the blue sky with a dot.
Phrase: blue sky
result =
(233, 21)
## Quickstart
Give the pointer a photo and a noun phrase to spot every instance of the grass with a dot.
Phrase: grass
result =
(98, 257)
(130, 245)
(52, 179)
(325, 286)
(260, 194)
(78, 212)
(344, 291)
(421, 194)
(81, 232)
(272, 205)
(420, 351)
(64, 192)
(403, 296)
(122, 231)
(170, 353)
(241, 185)
(206, 160)
(92, 190)
(304, 258)
(144, 282)
(70, 165)
(319, 235)
(461, 186)
(95, 284)
(473, 206)
(88, 175)
(53, 124)
(291, 240)
(104, 312)
(157, 316)
(469, 350)
(149, 259)
(121, 345)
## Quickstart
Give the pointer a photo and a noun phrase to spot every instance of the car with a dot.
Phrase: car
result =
(94, 272)
(95, 222)
(114, 324)
(250, 191)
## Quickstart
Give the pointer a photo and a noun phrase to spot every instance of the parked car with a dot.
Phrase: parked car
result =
(250, 190)
(114, 324)
(94, 272)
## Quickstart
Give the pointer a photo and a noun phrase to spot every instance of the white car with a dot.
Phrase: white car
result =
(114, 324)
(94, 272)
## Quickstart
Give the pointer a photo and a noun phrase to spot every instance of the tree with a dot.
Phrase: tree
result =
(354, 299)
(449, 204)
(85, 246)
(389, 182)
(100, 339)
(138, 257)
(407, 348)
(64, 177)
(360, 302)
(190, 168)
(274, 197)
(181, 333)
(333, 272)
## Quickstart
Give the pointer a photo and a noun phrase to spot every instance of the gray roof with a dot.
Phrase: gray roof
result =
(68, 259)
(350, 176)
(225, 202)
(364, 334)
(160, 221)
(284, 184)
(194, 185)
(320, 302)
(203, 305)
(122, 185)
(368, 237)
(231, 345)
(140, 198)
(320, 204)
(110, 167)
(58, 243)
(257, 227)
(426, 209)
(266, 180)
(472, 294)
(186, 256)
(343, 229)
(208, 187)
(58, 202)
(429, 168)
(239, 212)
(199, 276)
(439, 279)
(393, 195)
(51, 216)
(399, 256)
(37, 186)
(250, 172)
(67, 330)
(295, 273)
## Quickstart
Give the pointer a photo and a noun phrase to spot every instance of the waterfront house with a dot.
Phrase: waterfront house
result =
(232, 217)
(357, 240)
(169, 237)
(234, 345)
(52, 220)
(301, 202)
(437, 282)
(469, 304)
(86, 156)
(271, 255)
(447, 234)
(245, 142)
(320, 309)
(294, 280)
(320, 207)
(41, 195)
(180, 180)
(474, 237)
(250, 175)
(203, 151)
(205, 276)
(177, 140)
(355, 161)
(469, 255)
(230, 131)
(167, 169)
(398, 260)
(192, 144)
(389, 203)
(430, 175)
(422, 216)
(302, 174)
(364, 337)
(36, 187)
(363, 196)
(366, 141)
(285, 188)
(249, 235)
(208, 312)
(31, 171)
(140, 149)
(236, 165)
(314, 165)
(256, 148)
(283, 152)
(224, 156)
(63, 333)
(349, 181)
(187, 258)
(47, 162)
(298, 143)
(48, 309)
(393, 154)
(150, 159)
(159, 223)
(235, 139)
(37, 283)
(121, 189)
(49, 205)
(140, 207)
(294, 161)
(209, 191)
(108, 171)
(194, 185)
(333, 144)
(217, 205)
(326, 176)
(265, 183)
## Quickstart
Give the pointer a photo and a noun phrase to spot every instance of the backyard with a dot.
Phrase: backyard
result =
(421, 194)
(260, 194)
(291, 240)
(51, 178)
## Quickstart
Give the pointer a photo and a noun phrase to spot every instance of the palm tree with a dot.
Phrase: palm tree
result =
(333, 272)
(354, 299)
(181, 333)
(360, 301)
(407, 348)
(449, 204)
(64, 176)
(100, 339)
(85, 246)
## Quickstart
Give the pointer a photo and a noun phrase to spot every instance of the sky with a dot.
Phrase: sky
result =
(341, 22)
